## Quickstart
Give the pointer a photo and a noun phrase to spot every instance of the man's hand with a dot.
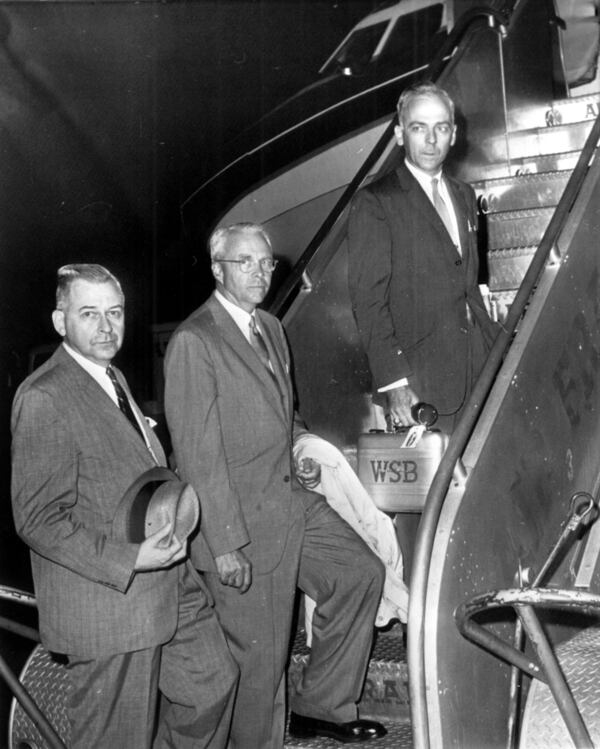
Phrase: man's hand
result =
(400, 400)
(235, 569)
(308, 472)
(157, 552)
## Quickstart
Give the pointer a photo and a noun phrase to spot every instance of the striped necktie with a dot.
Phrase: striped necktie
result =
(258, 344)
(123, 401)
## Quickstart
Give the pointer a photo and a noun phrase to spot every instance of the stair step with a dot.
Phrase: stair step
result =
(561, 112)
(385, 694)
(520, 192)
(517, 228)
(544, 140)
(507, 267)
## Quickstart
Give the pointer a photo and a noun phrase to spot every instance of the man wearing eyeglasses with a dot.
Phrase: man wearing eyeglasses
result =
(229, 406)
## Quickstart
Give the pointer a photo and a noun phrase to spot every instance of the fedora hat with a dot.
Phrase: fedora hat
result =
(153, 499)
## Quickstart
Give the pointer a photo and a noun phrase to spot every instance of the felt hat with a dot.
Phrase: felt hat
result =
(153, 499)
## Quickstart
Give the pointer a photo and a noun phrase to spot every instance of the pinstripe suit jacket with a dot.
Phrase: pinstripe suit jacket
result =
(410, 288)
(74, 455)
(232, 427)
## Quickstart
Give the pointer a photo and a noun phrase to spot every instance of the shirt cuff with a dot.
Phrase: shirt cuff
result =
(398, 384)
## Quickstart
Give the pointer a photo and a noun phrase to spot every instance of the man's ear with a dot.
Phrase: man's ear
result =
(399, 133)
(217, 271)
(58, 320)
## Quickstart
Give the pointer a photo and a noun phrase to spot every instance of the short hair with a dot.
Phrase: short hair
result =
(423, 89)
(218, 239)
(68, 274)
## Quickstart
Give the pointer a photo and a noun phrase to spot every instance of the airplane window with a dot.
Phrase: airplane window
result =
(358, 49)
(415, 38)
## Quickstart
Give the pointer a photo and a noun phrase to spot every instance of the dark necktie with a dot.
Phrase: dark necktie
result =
(123, 400)
(442, 208)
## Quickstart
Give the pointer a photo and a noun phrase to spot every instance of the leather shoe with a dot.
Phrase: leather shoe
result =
(303, 727)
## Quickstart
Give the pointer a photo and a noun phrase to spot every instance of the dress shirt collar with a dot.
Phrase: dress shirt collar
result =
(96, 371)
(424, 179)
(240, 316)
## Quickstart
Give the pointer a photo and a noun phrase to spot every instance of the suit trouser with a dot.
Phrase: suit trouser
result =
(258, 624)
(345, 579)
(114, 700)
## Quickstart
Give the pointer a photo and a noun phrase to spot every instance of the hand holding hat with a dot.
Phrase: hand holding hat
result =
(159, 512)
(160, 550)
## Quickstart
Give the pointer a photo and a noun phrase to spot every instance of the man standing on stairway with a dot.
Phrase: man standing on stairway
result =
(131, 618)
(229, 407)
(413, 270)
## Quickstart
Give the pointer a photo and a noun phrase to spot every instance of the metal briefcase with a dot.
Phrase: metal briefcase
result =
(398, 478)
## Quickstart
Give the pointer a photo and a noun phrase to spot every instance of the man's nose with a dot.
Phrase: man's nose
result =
(431, 136)
(105, 324)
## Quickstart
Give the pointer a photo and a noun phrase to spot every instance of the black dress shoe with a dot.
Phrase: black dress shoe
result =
(302, 727)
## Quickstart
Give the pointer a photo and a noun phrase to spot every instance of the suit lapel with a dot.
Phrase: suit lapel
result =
(277, 358)
(421, 203)
(235, 339)
(463, 218)
(98, 402)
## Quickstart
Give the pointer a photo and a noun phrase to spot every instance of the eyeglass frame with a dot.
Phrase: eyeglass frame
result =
(272, 262)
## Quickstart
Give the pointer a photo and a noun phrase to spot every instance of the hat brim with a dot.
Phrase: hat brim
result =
(155, 498)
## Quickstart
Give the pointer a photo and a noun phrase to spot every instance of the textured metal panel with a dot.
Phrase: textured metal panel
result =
(543, 726)
(541, 141)
(46, 681)
(517, 228)
(507, 267)
(561, 112)
(521, 192)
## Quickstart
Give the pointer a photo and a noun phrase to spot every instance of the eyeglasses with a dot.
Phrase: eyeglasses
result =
(247, 264)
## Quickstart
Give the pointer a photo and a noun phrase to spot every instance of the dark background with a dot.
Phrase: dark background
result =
(111, 114)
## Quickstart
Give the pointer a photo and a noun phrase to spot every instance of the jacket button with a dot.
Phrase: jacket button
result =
(458, 262)
(286, 479)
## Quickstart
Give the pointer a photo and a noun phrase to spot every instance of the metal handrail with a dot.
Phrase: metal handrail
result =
(28, 704)
(460, 436)
(282, 300)
(547, 669)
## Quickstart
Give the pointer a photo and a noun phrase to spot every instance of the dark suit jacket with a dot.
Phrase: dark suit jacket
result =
(74, 456)
(409, 288)
(232, 428)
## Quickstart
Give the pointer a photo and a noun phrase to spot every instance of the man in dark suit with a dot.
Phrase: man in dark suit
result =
(131, 618)
(229, 407)
(413, 270)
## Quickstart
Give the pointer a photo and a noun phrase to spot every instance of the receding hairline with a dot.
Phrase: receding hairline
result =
(424, 91)
(93, 273)
(222, 235)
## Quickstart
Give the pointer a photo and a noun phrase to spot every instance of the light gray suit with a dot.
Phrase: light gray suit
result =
(232, 426)
(74, 456)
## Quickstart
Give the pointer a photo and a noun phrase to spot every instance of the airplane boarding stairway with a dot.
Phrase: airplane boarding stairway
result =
(518, 196)
(517, 209)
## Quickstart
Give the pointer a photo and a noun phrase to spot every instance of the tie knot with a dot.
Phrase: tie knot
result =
(253, 326)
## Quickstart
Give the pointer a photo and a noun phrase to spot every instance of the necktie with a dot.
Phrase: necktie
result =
(441, 207)
(123, 400)
(258, 344)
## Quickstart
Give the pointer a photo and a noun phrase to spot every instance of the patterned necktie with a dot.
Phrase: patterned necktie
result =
(258, 344)
(123, 400)
(442, 208)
